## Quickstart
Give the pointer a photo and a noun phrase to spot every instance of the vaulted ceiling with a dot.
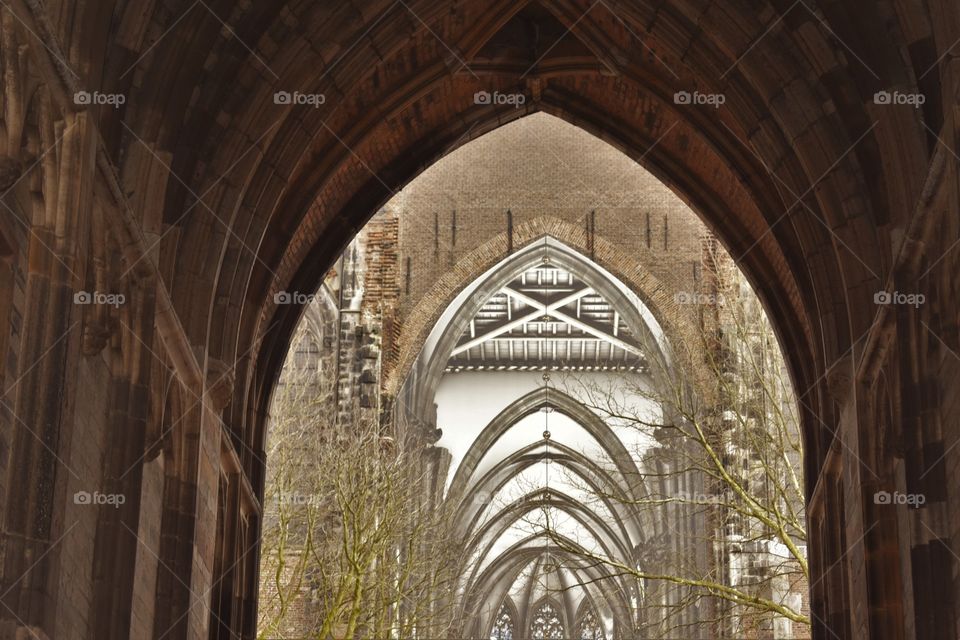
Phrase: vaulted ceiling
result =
(545, 461)
(799, 170)
(546, 318)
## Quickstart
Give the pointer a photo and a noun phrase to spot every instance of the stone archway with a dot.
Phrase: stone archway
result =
(434, 342)
(829, 194)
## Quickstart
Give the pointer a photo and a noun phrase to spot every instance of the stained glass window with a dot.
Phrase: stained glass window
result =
(546, 624)
(590, 628)
(503, 627)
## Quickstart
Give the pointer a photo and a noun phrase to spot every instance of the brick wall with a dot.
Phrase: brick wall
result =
(539, 167)
(381, 275)
(534, 177)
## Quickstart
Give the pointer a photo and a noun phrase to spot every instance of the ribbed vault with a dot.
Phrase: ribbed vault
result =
(500, 486)
(416, 394)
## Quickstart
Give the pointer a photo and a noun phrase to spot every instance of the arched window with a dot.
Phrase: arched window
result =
(590, 628)
(546, 624)
(503, 626)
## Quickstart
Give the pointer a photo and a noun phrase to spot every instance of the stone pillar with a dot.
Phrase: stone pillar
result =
(189, 523)
(880, 537)
(33, 513)
(173, 598)
(118, 528)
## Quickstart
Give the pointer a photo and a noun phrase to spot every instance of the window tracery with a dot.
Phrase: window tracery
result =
(590, 627)
(546, 624)
(504, 627)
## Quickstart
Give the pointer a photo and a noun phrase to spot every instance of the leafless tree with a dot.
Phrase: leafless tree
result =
(354, 545)
(724, 452)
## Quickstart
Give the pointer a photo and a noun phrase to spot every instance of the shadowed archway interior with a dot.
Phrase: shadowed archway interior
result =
(178, 179)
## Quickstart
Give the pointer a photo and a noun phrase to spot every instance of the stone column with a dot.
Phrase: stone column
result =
(118, 528)
(189, 522)
(33, 513)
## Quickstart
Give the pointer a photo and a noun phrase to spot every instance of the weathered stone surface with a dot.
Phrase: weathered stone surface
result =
(825, 190)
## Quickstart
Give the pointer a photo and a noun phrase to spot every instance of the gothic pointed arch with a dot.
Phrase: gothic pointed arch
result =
(505, 622)
(589, 625)
(815, 138)
(446, 338)
(546, 621)
(531, 553)
(629, 524)
(530, 403)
